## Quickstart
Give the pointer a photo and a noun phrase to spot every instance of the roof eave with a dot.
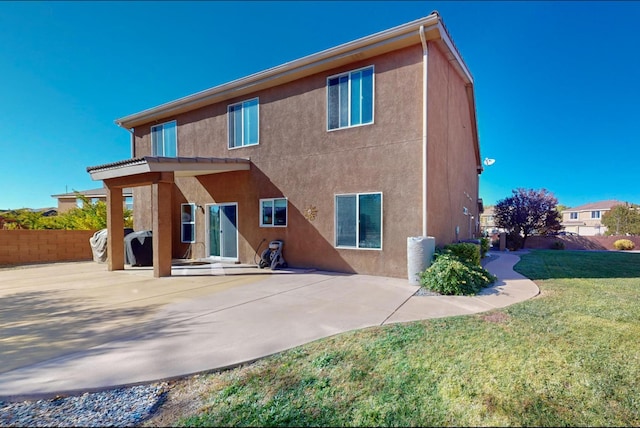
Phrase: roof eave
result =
(181, 166)
(296, 69)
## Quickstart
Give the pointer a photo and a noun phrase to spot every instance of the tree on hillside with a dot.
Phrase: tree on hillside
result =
(561, 208)
(21, 219)
(622, 220)
(526, 212)
(91, 216)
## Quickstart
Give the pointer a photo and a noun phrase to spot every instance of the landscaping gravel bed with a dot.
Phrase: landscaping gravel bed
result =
(424, 292)
(121, 407)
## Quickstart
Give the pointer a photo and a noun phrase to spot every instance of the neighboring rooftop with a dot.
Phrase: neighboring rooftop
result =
(91, 193)
(600, 205)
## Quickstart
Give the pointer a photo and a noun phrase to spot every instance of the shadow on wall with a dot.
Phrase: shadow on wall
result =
(304, 245)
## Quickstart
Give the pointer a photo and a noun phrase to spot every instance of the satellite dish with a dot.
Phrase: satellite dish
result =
(489, 162)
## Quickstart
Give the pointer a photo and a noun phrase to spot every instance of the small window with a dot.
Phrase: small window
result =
(350, 99)
(164, 141)
(273, 212)
(595, 214)
(128, 203)
(243, 123)
(573, 216)
(188, 223)
(359, 220)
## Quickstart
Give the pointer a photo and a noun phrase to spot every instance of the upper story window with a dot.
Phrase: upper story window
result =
(350, 99)
(359, 220)
(595, 214)
(243, 123)
(164, 140)
(273, 212)
(573, 216)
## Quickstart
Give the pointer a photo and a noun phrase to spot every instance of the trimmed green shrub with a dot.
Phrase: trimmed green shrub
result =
(514, 241)
(484, 247)
(450, 276)
(624, 244)
(465, 251)
(557, 245)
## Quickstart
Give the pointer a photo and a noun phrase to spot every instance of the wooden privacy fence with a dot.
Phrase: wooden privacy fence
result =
(42, 246)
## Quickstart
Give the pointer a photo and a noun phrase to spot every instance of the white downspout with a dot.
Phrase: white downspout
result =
(420, 249)
(425, 61)
(133, 143)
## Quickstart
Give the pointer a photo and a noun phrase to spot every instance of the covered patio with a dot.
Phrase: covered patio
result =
(160, 174)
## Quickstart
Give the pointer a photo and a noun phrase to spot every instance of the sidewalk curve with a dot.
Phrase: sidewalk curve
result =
(220, 322)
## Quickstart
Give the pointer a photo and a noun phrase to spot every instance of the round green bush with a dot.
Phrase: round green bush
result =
(485, 244)
(450, 276)
(624, 244)
(465, 251)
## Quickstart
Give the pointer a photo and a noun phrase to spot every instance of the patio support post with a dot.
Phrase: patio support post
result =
(115, 228)
(162, 212)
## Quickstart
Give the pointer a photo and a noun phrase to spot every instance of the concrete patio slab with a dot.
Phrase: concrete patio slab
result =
(76, 327)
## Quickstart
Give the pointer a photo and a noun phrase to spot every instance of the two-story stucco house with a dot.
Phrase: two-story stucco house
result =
(585, 219)
(342, 155)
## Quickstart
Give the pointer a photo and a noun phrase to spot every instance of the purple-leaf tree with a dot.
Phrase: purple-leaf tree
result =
(527, 212)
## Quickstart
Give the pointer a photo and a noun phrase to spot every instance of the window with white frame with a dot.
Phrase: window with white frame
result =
(188, 223)
(350, 99)
(573, 216)
(273, 212)
(164, 140)
(358, 220)
(243, 123)
(595, 214)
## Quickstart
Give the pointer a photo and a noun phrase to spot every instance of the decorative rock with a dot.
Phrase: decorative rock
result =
(121, 407)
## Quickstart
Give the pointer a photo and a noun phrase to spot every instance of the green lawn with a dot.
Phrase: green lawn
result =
(568, 357)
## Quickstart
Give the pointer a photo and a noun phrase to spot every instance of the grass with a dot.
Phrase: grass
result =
(568, 357)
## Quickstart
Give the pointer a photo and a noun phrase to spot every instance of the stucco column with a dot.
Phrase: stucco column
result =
(115, 228)
(162, 210)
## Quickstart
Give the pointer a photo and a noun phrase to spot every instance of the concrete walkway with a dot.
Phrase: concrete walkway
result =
(75, 327)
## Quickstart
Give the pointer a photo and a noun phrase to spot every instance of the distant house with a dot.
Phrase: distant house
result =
(343, 155)
(67, 201)
(488, 221)
(585, 220)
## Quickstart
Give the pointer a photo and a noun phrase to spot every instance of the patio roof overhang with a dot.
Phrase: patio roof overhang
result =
(159, 173)
(179, 166)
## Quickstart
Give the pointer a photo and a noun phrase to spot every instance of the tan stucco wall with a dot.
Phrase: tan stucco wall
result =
(452, 164)
(299, 159)
(66, 204)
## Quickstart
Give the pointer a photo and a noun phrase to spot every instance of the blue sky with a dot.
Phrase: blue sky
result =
(556, 83)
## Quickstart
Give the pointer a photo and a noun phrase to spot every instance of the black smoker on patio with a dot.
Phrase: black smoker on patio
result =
(138, 248)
